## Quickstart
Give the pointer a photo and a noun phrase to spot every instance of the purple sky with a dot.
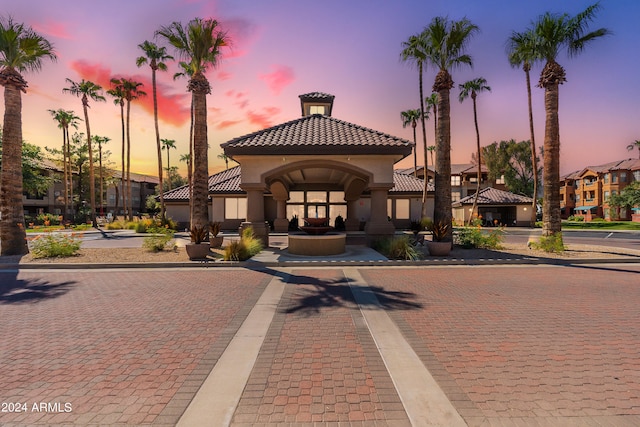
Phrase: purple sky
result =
(351, 49)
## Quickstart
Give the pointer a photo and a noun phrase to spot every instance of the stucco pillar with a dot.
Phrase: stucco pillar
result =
(281, 223)
(255, 212)
(379, 225)
(352, 223)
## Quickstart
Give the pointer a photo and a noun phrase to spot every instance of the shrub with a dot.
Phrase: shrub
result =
(438, 229)
(339, 223)
(157, 242)
(293, 223)
(214, 228)
(54, 245)
(552, 243)
(243, 249)
(198, 234)
(576, 218)
(474, 237)
(397, 248)
(48, 219)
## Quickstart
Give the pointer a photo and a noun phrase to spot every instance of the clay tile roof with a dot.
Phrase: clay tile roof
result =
(225, 182)
(493, 196)
(404, 183)
(316, 96)
(317, 134)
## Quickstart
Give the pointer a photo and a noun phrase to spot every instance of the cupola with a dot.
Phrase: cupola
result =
(316, 103)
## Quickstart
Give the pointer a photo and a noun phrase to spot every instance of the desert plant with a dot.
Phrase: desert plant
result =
(293, 223)
(55, 245)
(397, 248)
(339, 223)
(157, 242)
(552, 243)
(474, 237)
(214, 228)
(198, 234)
(438, 229)
(243, 249)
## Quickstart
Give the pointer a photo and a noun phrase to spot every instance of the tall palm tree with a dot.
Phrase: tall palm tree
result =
(101, 140)
(225, 158)
(198, 43)
(445, 44)
(188, 73)
(168, 144)
(432, 149)
(187, 159)
(414, 50)
(635, 144)
(155, 56)
(471, 89)
(410, 117)
(553, 33)
(521, 52)
(132, 92)
(85, 90)
(65, 119)
(117, 92)
(21, 49)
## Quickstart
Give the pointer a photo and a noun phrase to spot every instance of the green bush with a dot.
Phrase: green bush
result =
(475, 237)
(576, 218)
(158, 242)
(48, 219)
(398, 248)
(243, 249)
(54, 245)
(552, 243)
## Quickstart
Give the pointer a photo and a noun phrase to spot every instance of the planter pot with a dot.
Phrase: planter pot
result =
(439, 248)
(197, 250)
(216, 241)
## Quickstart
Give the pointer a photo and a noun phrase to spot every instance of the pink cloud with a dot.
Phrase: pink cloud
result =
(223, 75)
(264, 119)
(277, 80)
(227, 123)
(52, 28)
(171, 108)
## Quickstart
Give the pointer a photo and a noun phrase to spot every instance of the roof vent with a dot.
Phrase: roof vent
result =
(316, 103)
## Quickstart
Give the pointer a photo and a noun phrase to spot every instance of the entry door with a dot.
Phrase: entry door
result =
(316, 211)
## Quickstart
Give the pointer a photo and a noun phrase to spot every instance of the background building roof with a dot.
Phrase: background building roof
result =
(493, 196)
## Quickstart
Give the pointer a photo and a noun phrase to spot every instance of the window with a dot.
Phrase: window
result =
(455, 180)
(636, 175)
(606, 178)
(316, 109)
(606, 195)
(389, 208)
(473, 179)
(296, 197)
(500, 180)
(316, 196)
(336, 197)
(614, 177)
(577, 197)
(235, 208)
(402, 208)
(623, 177)
(455, 196)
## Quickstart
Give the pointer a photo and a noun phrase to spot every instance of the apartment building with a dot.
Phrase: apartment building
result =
(586, 192)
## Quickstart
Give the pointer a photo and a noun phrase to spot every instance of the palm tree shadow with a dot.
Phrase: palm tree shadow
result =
(336, 293)
(14, 290)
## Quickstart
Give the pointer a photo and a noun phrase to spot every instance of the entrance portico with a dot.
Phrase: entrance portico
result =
(318, 166)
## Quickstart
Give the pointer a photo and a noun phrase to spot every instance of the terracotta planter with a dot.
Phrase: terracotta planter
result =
(439, 248)
(216, 241)
(197, 250)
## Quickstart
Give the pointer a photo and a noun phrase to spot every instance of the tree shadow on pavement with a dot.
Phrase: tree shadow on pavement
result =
(336, 293)
(14, 290)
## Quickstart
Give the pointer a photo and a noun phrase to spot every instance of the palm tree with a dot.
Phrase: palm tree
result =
(521, 52)
(101, 140)
(472, 88)
(87, 89)
(187, 159)
(188, 73)
(414, 50)
(410, 117)
(553, 33)
(155, 56)
(21, 49)
(224, 157)
(635, 144)
(431, 149)
(445, 45)
(168, 144)
(117, 92)
(198, 43)
(65, 119)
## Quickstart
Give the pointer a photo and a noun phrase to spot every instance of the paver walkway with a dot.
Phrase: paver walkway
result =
(504, 345)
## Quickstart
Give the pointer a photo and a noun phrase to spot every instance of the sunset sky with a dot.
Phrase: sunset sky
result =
(348, 48)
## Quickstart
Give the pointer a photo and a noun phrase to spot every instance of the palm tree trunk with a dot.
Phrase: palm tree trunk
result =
(200, 159)
(552, 221)
(92, 177)
(158, 146)
(415, 152)
(70, 175)
(168, 169)
(442, 210)
(129, 194)
(13, 237)
(534, 156)
(100, 178)
(424, 145)
(479, 159)
(65, 171)
(122, 171)
(190, 171)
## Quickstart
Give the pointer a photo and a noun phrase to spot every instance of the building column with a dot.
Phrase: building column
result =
(281, 223)
(352, 223)
(255, 212)
(379, 225)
